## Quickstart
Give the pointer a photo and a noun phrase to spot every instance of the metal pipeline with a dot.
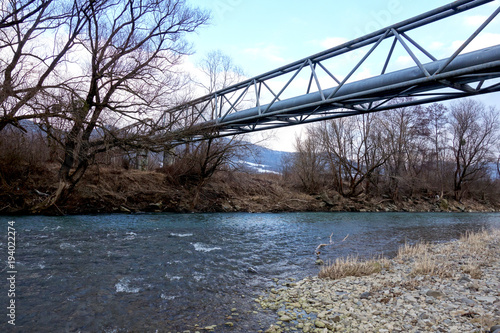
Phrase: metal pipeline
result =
(469, 63)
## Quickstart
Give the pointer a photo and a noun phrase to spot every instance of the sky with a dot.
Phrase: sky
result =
(261, 35)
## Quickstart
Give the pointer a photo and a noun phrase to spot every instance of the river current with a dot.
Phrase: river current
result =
(171, 272)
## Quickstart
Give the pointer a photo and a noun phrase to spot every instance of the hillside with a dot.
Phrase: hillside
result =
(265, 160)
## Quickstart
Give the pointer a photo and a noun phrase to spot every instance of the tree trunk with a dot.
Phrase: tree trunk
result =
(63, 190)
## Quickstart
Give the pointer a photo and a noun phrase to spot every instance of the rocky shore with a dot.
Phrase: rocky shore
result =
(449, 287)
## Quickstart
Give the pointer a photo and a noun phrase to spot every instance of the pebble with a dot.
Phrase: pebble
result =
(365, 295)
(487, 299)
(210, 328)
(435, 294)
(468, 302)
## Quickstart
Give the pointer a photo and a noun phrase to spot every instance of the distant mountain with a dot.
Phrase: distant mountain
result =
(264, 160)
(260, 160)
(25, 126)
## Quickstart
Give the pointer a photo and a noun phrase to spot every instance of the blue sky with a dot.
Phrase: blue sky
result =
(261, 35)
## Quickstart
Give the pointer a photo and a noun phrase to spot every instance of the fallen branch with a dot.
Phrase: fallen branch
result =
(41, 193)
(317, 251)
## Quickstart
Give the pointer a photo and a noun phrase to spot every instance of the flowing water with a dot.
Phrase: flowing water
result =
(170, 272)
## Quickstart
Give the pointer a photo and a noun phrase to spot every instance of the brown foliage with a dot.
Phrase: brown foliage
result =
(352, 266)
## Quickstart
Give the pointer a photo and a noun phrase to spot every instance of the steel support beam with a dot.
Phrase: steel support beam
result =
(436, 80)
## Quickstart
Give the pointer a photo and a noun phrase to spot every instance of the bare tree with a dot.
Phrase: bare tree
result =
(498, 167)
(220, 72)
(498, 161)
(404, 132)
(409, 147)
(309, 161)
(35, 39)
(436, 114)
(205, 158)
(475, 132)
(354, 152)
(17, 12)
(197, 164)
(129, 50)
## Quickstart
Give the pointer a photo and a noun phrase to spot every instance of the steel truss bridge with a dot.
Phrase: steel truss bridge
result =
(328, 89)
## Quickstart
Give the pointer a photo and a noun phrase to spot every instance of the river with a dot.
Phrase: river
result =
(170, 272)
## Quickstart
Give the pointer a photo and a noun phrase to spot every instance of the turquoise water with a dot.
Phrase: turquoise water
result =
(162, 272)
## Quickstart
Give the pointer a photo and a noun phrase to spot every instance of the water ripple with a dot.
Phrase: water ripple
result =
(167, 272)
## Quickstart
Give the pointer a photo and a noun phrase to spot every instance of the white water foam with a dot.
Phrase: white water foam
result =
(173, 277)
(130, 235)
(122, 286)
(198, 276)
(204, 248)
(167, 297)
(111, 330)
(180, 235)
(65, 246)
(68, 246)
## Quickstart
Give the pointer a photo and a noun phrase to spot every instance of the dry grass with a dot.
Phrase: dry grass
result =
(485, 320)
(474, 270)
(472, 245)
(476, 247)
(443, 261)
(428, 265)
(352, 266)
(475, 242)
(423, 262)
(415, 250)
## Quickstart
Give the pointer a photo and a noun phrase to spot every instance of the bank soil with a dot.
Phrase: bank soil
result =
(107, 190)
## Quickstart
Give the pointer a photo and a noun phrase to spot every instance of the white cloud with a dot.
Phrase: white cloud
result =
(436, 46)
(495, 3)
(405, 61)
(267, 52)
(333, 41)
(475, 20)
(480, 42)
(360, 75)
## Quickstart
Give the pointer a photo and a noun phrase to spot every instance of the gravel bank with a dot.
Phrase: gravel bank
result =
(450, 287)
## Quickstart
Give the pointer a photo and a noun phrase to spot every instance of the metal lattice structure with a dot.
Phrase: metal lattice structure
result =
(260, 103)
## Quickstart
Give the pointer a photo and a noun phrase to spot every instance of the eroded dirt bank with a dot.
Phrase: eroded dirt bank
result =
(116, 190)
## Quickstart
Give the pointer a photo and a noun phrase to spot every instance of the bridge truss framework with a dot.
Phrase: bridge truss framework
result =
(259, 103)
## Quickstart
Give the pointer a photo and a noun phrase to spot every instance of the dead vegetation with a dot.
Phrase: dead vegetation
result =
(29, 172)
(427, 265)
(109, 189)
(473, 251)
(353, 266)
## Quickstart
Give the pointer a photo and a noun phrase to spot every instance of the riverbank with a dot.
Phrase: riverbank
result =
(448, 287)
(108, 190)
